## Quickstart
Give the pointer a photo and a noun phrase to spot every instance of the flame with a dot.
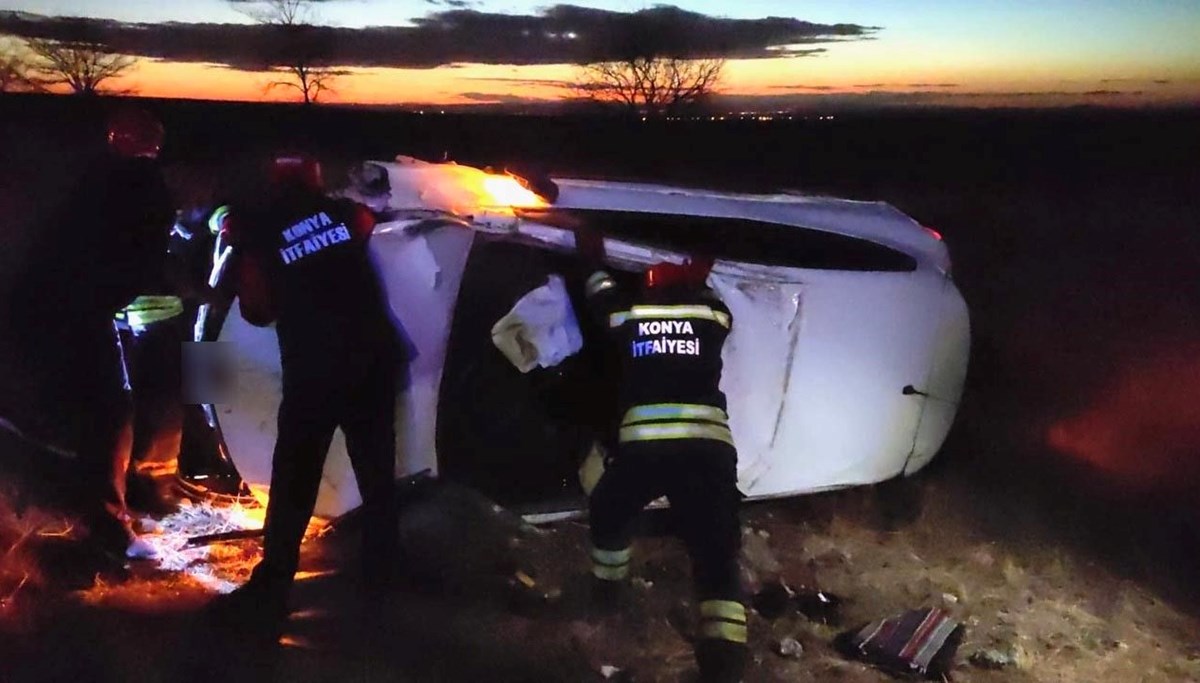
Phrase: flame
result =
(506, 190)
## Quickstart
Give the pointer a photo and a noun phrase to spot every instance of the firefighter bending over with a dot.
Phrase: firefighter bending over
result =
(303, 261)
(674, 440)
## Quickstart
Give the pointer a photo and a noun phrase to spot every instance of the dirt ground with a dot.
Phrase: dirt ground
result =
(1050, 612)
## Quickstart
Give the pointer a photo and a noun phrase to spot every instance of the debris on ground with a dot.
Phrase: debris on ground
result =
(921, 642)
(789, 647)
(994, 658)
(821, 607)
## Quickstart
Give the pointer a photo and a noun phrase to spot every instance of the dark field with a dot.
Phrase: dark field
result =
(1075, 236)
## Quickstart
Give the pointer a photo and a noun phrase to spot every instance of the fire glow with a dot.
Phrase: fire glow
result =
(1144, 427)
(505, 190)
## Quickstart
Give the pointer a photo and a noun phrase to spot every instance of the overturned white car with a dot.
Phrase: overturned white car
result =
(845, 365)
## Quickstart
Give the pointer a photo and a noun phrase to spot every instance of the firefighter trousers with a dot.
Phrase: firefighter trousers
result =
(699, 478)
(356, 391)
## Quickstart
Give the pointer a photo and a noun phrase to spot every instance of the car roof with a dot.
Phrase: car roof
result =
(875, 221)
(417, 184)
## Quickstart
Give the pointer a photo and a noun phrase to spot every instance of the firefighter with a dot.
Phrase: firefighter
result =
(303, 262)
(153, 328)
(673, 439)
(104, 244)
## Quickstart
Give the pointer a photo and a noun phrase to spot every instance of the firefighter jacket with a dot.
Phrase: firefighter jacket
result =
(669, 340)
(305, 264)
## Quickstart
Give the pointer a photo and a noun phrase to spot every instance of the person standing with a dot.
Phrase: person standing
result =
(303, 263)
(674, 440)
(102, 245)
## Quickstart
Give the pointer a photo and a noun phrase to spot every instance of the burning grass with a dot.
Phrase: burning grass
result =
(219, 568)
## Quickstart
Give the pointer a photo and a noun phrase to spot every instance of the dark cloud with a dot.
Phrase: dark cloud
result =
(559, 34)
(494, 98)
(933, 85)
(793, 51)
(870, 85)
(455, 4)
(802, 87)
(1111, 93)
(532, 82)
(1162, 81)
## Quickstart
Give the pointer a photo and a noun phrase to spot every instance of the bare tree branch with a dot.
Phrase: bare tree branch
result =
(650, 85)
(82, 67)
(298, 54)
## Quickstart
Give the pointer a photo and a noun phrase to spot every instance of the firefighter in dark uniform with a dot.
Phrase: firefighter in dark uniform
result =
(303, 263)
(673, 439)
(153, 328)
(106, 238)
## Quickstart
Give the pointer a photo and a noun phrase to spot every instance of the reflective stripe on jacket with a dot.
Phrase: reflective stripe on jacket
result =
(669, 421)
(148, 309)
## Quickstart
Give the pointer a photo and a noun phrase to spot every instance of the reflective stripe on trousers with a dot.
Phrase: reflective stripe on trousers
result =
(611, 565)
(723, 620)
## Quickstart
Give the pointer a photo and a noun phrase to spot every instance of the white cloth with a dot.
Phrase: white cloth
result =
(541, 329)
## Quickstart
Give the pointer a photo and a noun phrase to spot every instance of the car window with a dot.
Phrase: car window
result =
(733, 239)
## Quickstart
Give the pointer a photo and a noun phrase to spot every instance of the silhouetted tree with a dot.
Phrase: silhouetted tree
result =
(298, 49)
(650, 64)
(651, 84)
(82, 66)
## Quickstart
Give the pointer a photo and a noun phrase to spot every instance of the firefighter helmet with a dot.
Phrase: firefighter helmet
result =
(691, 273)
(297, 170)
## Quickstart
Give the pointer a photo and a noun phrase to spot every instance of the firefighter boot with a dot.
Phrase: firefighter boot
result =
(606, 598)
(257, 612)
(720, 661)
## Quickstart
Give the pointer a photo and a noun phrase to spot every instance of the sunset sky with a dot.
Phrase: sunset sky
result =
(846, 52)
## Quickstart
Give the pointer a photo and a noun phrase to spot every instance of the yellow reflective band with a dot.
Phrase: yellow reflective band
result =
(606, 573)
(612, 558)
(674, 411)
(677, 312)
(723, 609)
(618, 319)
(151, 309)
(723, 630)
(676, 430)
(599, 282)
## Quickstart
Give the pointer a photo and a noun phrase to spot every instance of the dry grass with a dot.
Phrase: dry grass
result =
(1058, 618)
(22, 533)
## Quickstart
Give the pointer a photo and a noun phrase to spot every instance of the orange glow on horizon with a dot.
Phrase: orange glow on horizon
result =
(856, 69)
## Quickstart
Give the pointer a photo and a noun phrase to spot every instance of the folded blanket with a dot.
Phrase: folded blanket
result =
(915, 644)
